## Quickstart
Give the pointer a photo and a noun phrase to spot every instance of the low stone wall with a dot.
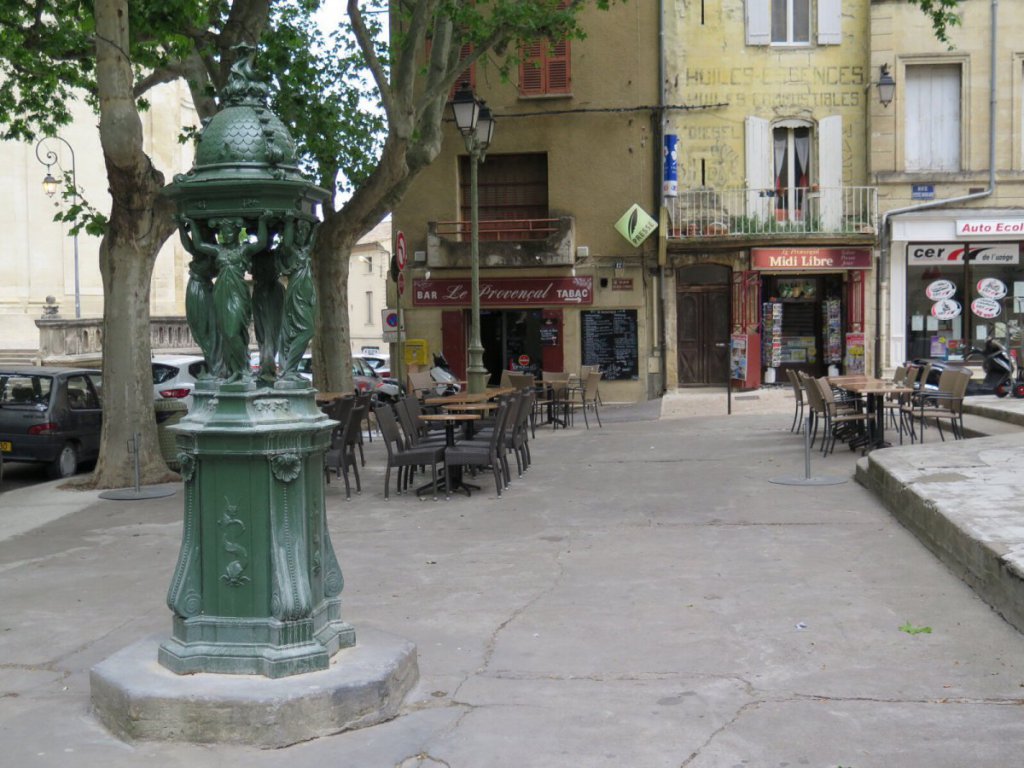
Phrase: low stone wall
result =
(80, 341)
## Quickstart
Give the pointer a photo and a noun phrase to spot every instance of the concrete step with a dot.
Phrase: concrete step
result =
(18, 357)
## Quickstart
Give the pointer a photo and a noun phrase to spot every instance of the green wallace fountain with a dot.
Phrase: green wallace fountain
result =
(257, 585)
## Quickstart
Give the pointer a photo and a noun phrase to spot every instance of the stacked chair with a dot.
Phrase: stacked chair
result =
(345, 439)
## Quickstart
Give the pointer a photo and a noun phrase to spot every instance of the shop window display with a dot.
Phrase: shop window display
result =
(959, 295)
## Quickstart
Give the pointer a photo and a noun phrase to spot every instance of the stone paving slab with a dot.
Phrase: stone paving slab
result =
(644, 596)
(964, 501)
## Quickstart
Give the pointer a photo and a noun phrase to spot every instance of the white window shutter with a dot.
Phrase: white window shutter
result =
(830, 22)
(760, 174)
(830, 172)
(759, 22)
(932, 104)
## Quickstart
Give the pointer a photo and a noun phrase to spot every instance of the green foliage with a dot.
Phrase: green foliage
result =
(944, 15)
(324, 93)
(78, 212)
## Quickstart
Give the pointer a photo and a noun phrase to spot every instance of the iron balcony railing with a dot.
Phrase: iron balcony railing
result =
(705, 212)
(500, 229)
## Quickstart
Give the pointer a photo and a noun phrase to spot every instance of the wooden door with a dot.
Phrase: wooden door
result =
(703, 334)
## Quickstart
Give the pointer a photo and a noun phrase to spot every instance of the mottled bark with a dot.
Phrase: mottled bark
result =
(332, 349)
(139, 223)
(138, 226)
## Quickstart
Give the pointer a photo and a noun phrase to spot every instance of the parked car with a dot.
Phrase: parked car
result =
(380, 363)
(51, 416)
(364, 378)
(174, 377)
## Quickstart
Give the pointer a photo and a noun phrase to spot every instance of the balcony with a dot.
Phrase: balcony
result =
(503, 243)
(735, 214)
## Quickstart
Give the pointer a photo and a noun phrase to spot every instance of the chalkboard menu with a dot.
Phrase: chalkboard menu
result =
(610, 341)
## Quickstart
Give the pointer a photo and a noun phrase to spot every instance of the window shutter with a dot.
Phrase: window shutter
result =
(531, 72)
(760, 175)
(830, 171)
(829, 22)
(558, 68)
(759, 22)
(932, 99)
(468, 75)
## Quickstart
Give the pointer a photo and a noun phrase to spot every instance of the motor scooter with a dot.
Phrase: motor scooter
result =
(996, 364)
(444, 379)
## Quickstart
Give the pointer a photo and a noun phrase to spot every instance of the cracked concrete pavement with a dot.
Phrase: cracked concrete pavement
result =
(643, 597)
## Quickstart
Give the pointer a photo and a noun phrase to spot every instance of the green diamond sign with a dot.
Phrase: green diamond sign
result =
(635, 225)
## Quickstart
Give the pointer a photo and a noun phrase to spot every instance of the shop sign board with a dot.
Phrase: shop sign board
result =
(1008, 226)
(622, 283)
(810, 258)
(635, 225)
(953, 253)
(505, 292)
(986, 308)
(940, 289)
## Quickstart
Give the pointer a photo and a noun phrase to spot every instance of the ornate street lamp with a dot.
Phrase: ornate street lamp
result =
(476, 124)
(886, 87)
(50, 187)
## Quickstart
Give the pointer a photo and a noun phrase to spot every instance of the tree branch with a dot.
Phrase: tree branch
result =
(365, 42)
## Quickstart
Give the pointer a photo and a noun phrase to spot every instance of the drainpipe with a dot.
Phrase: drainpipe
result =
(883, 256)
(659, 171)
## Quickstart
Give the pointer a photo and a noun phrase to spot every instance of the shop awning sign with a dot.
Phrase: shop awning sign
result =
(940, 289)
(635, 225)
(991, 288)
(1008, 227)
(804, 259)
(505, 292)
(954, 253)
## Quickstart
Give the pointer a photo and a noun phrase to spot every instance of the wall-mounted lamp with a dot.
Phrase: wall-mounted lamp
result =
(886, 86)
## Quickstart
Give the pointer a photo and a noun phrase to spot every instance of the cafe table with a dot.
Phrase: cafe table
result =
(450, 420)
(876, 390)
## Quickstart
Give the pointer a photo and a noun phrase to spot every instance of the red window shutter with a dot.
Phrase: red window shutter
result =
(558, 68)
(531, 70)
(468, 76)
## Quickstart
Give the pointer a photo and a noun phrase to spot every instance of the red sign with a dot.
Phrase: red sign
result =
(401, 283)
(524, 360)
(622, 283)
(810, 258)
(401, 257)
(505, 292)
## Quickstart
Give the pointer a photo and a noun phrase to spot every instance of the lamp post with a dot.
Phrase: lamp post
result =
(50, 187)
(886, 86)
(476, 124)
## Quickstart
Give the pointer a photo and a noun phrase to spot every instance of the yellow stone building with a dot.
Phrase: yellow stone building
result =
(770, 234)
(574, 149)
(948, 159)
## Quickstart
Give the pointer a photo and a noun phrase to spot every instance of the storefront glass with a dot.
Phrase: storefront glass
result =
(960, 294)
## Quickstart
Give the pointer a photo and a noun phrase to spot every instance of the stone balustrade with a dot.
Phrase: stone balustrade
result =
(80, 341)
